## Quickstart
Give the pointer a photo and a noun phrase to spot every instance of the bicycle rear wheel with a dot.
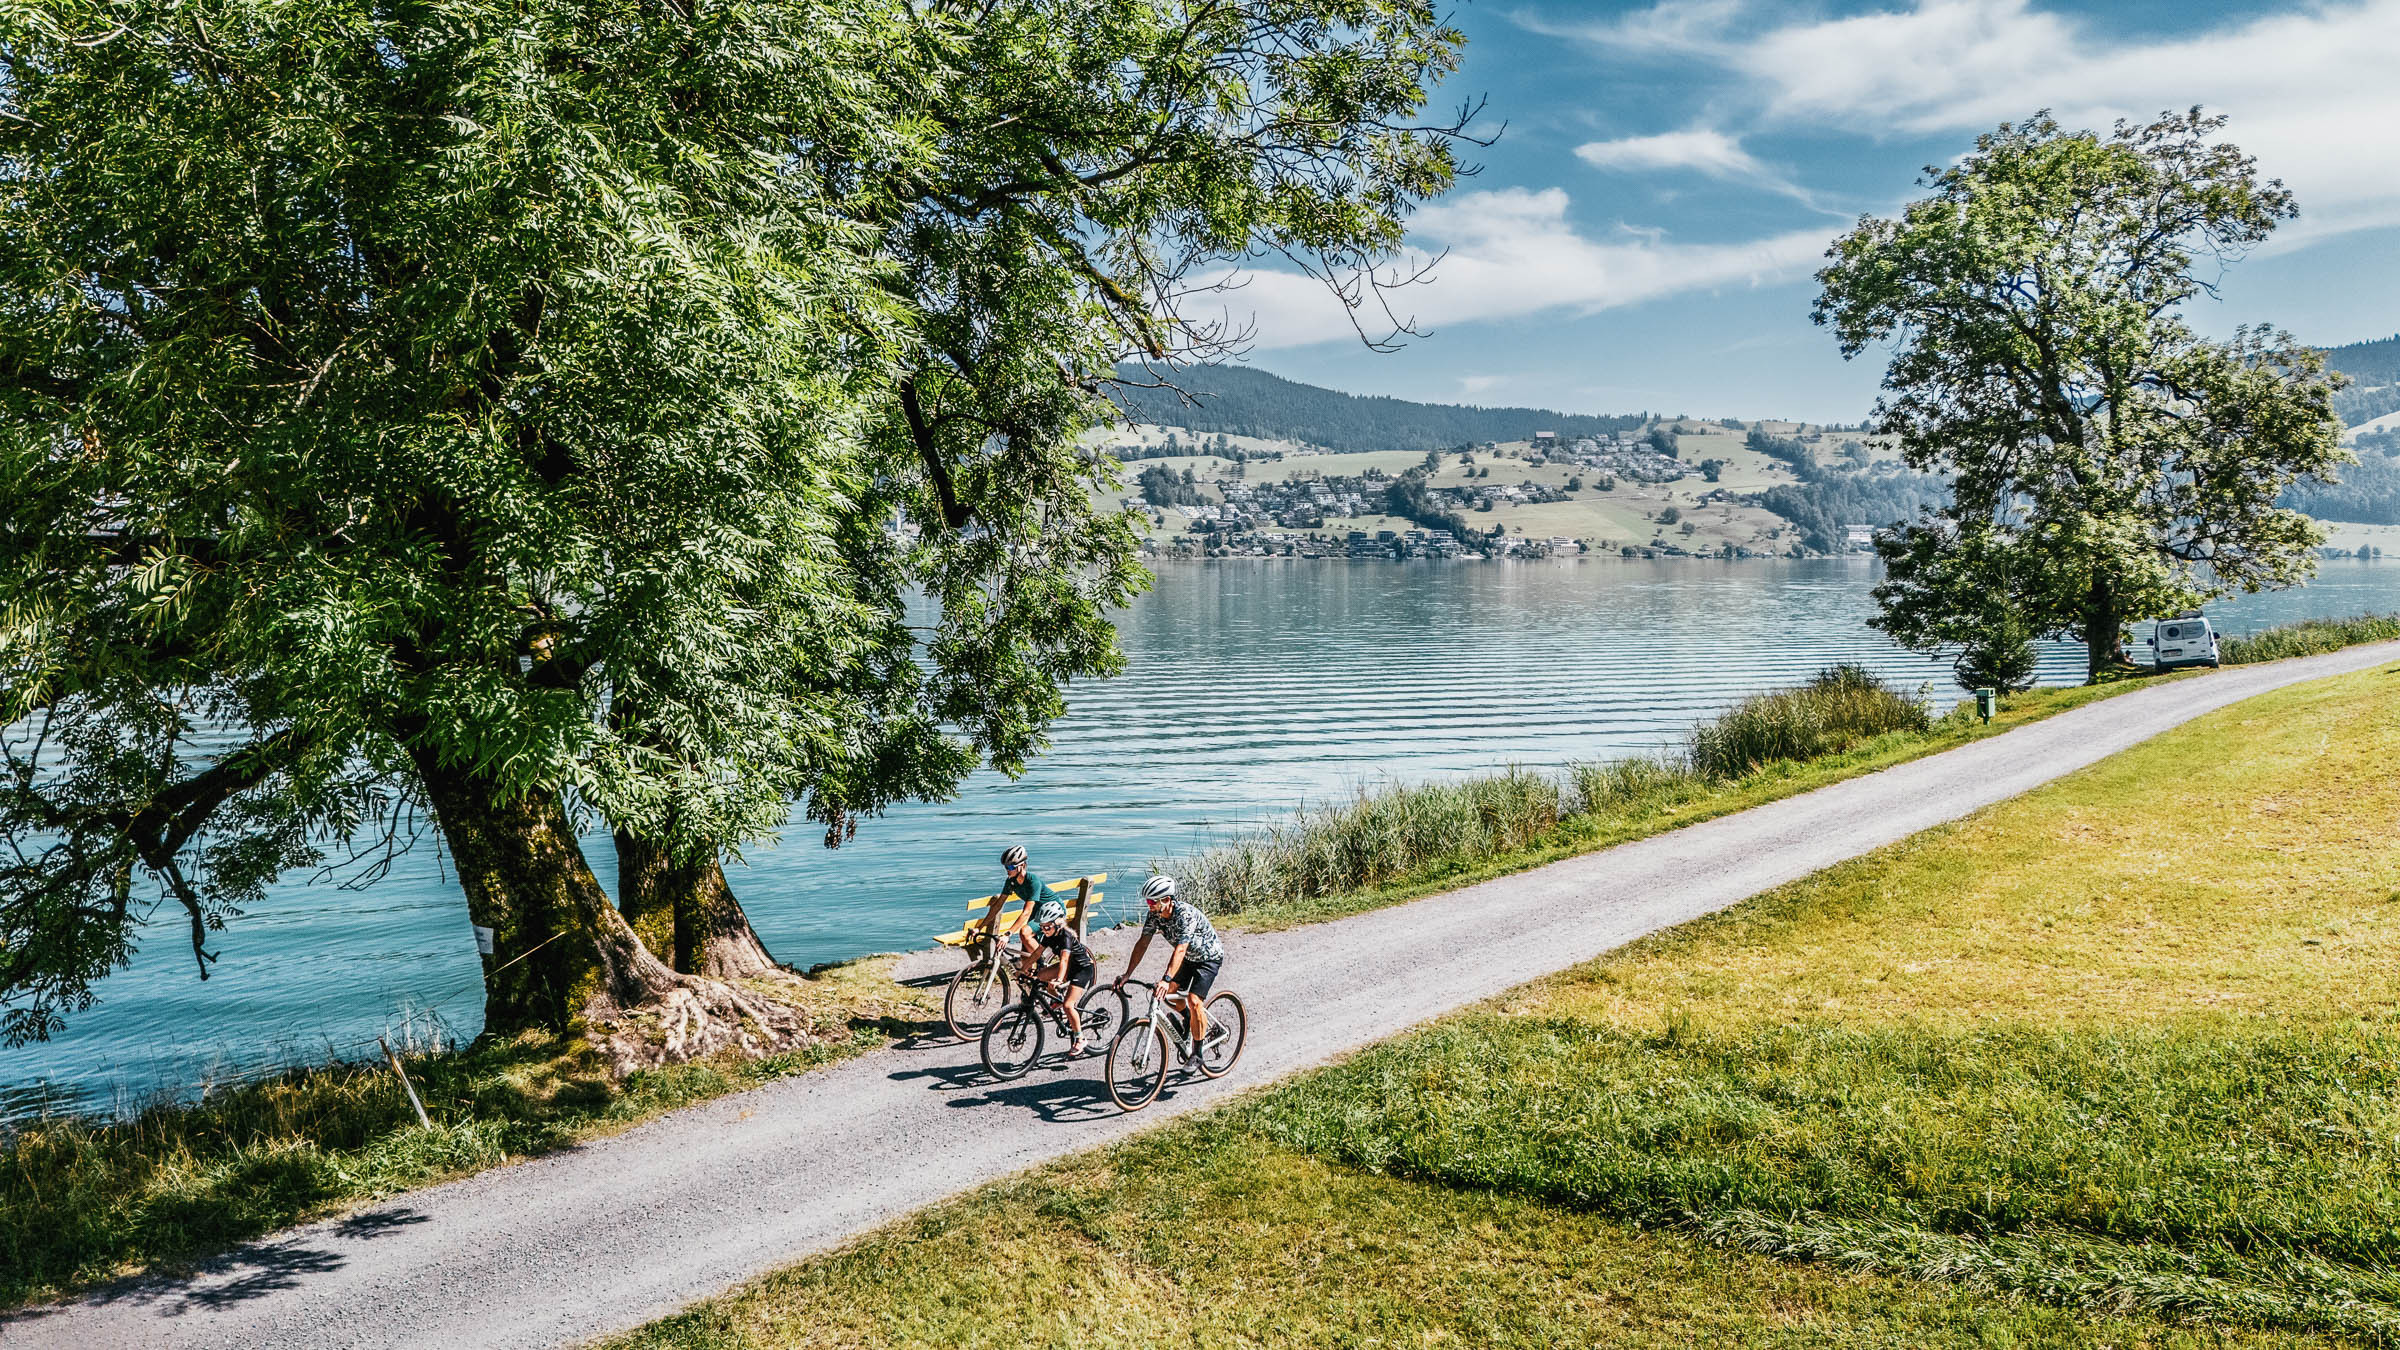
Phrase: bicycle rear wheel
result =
(1012, 1043)
(977, 992)
(1137, 1065)
(1218, 1052)
(1227, 1031)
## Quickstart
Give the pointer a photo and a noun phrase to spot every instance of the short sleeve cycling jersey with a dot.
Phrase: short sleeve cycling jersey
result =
(1030, 890)
(1186, 927)
(1065, 943)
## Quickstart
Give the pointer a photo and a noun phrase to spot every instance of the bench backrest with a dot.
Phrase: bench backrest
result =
(1086, 892)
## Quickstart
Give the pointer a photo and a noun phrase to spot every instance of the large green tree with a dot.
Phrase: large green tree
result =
(514, 416)
(2107, 463)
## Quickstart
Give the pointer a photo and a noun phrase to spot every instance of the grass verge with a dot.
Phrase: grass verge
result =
(2114, 1063)
(82, 1201)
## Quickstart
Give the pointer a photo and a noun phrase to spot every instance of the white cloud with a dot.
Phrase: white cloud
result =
(2311, 92)
(1698, 149)
(1513, 252)
(1670, 25)
(1709, 152)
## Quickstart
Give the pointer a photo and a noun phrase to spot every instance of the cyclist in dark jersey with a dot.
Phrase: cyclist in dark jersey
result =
(1068, 961)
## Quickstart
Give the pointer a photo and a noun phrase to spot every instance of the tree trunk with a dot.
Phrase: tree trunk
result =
(2101, 622)
(646, 896)
(687, 912)
(563, 958)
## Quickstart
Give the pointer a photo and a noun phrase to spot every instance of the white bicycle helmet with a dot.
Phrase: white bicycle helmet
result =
(1158, 888)
(1047, 913)
(1013, 856)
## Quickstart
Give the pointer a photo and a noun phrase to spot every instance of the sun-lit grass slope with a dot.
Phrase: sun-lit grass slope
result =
(2131, 1041)
(2115, 1063)
(1205, 1235)
(82, 1201)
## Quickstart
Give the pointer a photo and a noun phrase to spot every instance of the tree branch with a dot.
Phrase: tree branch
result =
(919, 430)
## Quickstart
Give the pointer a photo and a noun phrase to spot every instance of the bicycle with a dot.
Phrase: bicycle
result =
(980, 989)
(1014, 1040)
(1137, 1060)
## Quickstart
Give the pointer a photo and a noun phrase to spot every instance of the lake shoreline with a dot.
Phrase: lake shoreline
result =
(1249, 692)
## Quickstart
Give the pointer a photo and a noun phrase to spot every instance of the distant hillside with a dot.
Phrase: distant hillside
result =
(1243, 402)
(2374, 370)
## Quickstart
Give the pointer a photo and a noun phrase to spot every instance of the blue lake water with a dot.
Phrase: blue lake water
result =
(1252, 686)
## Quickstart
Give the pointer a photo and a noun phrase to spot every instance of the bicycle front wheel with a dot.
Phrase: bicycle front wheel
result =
(977, 992)
(1012, 1042)
(1228, 1030)
(1137, 1065)
(1103, 1011)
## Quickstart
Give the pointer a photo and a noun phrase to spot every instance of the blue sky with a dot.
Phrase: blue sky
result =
(1643, 234)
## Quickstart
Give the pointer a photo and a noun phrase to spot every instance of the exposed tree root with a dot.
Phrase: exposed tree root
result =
(694, 1017)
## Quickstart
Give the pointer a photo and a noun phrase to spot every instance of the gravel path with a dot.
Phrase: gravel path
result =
(604, 1237)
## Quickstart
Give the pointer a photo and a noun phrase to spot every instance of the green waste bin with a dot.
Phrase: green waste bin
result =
(1987, 702)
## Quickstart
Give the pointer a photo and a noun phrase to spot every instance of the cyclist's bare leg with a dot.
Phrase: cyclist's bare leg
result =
(1074, 1017)
(1198, 1012)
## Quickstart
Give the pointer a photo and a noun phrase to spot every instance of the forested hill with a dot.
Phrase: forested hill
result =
(2374, 371)
(1243, 402)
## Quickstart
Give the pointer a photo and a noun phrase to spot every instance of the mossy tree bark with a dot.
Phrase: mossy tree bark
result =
(686, 912)
(563, 958)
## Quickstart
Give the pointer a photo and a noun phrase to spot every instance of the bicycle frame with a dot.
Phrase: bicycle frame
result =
(1158, 1005)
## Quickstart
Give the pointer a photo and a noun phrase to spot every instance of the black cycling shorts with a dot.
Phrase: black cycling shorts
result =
(1083, 974)
(1197, 977)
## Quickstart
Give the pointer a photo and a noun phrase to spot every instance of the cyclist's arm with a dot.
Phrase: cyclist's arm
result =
(1175, 961)
(1140, 945)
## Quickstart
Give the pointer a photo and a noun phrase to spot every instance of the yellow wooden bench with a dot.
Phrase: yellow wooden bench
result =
(1087, 893)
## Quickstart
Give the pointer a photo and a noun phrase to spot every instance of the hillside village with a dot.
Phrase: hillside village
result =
(1676, 488)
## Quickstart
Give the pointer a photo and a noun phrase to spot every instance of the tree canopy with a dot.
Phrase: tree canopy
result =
(504, 416)
(2106, 462)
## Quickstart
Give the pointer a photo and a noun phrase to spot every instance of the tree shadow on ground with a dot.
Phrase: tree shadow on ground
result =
(82, 1200)
(240, 1274)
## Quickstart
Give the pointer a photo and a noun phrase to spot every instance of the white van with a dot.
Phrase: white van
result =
(2185, 641)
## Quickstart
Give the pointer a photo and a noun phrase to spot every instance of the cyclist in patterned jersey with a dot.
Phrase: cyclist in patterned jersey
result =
(1069, 961)
(1194, 954)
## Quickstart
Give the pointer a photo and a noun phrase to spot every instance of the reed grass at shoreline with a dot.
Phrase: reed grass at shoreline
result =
(1390, 842)
(2308, 637)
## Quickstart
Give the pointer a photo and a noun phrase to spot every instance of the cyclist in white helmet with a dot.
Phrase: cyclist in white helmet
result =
(1020, 884)
(1070, 963)
(1194, 953)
